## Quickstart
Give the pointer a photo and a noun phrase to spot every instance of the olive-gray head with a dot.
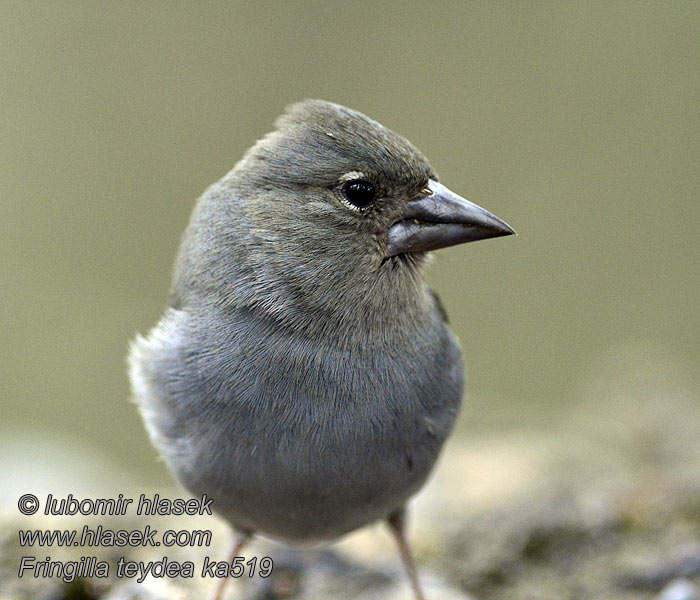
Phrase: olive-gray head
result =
(328, 219)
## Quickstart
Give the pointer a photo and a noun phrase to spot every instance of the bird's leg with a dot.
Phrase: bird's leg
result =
(240, 540)
(397, 525)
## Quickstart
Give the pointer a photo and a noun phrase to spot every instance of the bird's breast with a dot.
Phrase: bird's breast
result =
(302, 439)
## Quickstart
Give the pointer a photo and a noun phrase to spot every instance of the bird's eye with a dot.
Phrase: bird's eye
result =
(359, 192)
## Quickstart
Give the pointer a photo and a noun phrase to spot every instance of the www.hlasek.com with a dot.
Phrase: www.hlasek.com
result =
(99, 536)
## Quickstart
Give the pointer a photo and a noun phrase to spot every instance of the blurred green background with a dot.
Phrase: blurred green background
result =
(579, 123)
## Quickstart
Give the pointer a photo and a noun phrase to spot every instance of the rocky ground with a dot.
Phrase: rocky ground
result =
(604, 503)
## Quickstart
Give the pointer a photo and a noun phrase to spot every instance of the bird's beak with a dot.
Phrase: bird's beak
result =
(439, 219)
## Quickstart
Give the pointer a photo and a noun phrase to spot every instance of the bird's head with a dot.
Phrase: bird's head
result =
(331, 210)
(347, 174)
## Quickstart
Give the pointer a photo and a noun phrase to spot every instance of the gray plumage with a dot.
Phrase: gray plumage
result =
(301, 377)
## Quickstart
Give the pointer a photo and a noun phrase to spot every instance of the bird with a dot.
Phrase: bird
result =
(304, 375)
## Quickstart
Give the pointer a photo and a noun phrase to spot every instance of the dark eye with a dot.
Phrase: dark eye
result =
(359, 193)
